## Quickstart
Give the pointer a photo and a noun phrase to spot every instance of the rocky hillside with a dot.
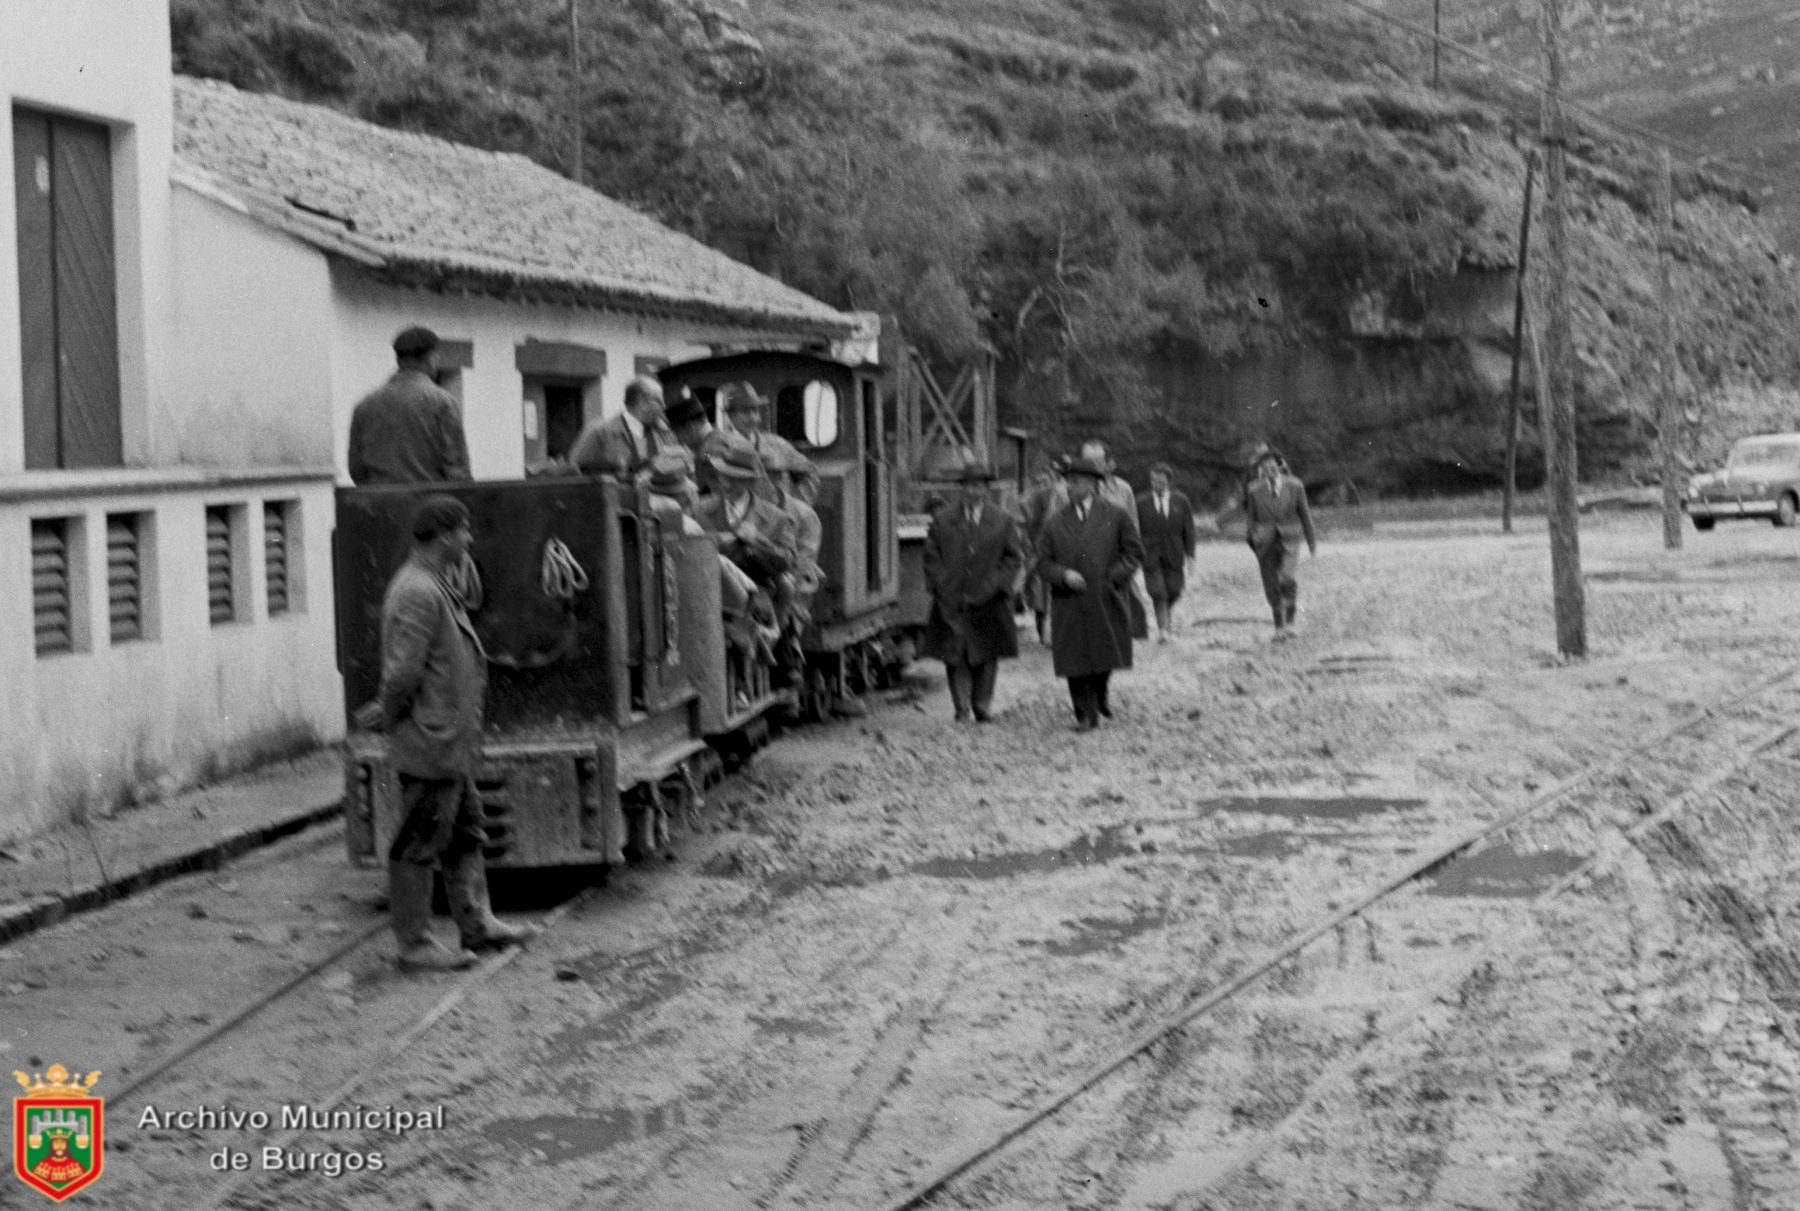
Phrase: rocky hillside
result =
(1184, 223)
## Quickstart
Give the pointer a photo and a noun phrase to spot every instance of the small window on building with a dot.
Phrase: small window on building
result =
(58, 585)
(224, 563)
(282, 561)
(127, 578)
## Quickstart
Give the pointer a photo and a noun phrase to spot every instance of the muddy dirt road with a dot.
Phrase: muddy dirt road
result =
(891, 943)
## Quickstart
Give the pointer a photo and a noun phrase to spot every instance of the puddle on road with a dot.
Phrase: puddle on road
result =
(1502, 872)
(567, 1137)
(1274, 843)
(1342, 807)
(1094, 934)
(1085, 850)
(793, 1028)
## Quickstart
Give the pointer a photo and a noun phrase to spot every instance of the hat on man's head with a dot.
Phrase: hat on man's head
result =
(1265, 455)
(1085, 466)
(736, 459)
(438, 515)
(669, 473)
(742, 397)
(415, 342)
(685, 410)
(976, 471)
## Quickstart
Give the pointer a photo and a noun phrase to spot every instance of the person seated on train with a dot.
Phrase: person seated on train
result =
(687, 418)
(749, 616)
(785, 469)
(747, 410)
(754, 534)
(623, 445)
(673, 496)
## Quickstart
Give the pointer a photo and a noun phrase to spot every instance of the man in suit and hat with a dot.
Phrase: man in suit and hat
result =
(623, 445)
(1275, 519)
(754, 534)
(1166, 521)
(748, 410)
(687, 418)
(409, 430)
(973, 556)
(1087, 555)
(433, 679)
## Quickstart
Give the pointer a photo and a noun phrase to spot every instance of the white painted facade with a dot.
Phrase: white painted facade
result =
(211, 419)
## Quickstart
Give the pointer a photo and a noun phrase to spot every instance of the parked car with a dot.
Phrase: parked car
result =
(1761, 478)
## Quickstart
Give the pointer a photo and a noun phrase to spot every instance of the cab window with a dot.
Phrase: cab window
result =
(807, 414)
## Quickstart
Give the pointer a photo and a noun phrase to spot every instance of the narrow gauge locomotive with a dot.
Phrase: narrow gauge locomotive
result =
(614, 696)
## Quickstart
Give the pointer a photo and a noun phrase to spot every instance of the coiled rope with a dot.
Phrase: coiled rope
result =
(561, 574)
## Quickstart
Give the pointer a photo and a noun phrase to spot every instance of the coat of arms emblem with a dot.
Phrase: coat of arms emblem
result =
(58, 1132)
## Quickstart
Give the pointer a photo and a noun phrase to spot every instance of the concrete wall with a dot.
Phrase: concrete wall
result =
(369, 314)
(105, 61)
(251, 385)
(90, 728)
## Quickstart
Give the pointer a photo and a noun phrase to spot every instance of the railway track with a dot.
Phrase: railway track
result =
(1605, 800)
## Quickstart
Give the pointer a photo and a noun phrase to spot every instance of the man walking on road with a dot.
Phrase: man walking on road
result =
(1114, 490)
(973, 556)
(1166, 520)
(433, 678)
(1275, 519)
(409, 430)
(1087, 555)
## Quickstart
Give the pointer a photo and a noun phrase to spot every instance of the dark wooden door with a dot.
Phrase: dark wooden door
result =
(69, 326)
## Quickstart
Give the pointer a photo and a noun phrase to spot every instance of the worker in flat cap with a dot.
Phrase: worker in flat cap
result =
(748, 412)
(409, 430)
(1087, 554)
(623, 445)
(973, 557)
(1276, 518)
(433, 681)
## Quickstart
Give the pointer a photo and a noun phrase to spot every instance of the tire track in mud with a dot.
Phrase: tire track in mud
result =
(1589, 804)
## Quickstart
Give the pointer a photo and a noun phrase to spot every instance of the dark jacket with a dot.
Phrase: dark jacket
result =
(971, 571)
(433, 676)
(608, 447)
(1281, 513)
(407, 431)
(1090, 630)
(1168, 543)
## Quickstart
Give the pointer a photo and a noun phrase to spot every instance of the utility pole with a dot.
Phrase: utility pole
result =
(1512, 408)
(575, 90)
(1559, 407)
(1667, 418)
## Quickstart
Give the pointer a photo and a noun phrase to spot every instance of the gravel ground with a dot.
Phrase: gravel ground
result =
(888, 945)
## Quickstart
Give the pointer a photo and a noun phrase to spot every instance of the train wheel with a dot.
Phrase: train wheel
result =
(815, 701)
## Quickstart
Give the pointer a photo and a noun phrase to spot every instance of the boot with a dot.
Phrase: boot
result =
(409, 910)
(466, 885)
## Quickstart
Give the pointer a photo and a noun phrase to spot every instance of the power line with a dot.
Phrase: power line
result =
(1618, 126)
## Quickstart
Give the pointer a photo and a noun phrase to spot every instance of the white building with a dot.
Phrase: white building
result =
(200, 285)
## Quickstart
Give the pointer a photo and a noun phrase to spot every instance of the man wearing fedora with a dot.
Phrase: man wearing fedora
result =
(409, 430)
(623, 445)
(748, 410)
(754, 534)
(973, 556)
(1275, 519)
(1088, 554)
(694, 429)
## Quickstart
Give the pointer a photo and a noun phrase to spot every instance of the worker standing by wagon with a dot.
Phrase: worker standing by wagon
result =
(433, 680)
(409, 430)
(973, 556)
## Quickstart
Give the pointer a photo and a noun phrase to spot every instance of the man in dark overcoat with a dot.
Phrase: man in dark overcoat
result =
(973, 556)
(1166, 520)
(1275, 519)
(409, 430)
(1088, 554)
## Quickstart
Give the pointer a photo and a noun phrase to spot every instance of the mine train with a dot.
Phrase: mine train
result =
(614, 698)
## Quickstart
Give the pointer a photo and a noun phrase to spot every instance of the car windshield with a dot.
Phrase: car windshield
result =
(1763, 452)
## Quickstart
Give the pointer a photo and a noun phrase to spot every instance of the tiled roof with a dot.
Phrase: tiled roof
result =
(420, 211)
